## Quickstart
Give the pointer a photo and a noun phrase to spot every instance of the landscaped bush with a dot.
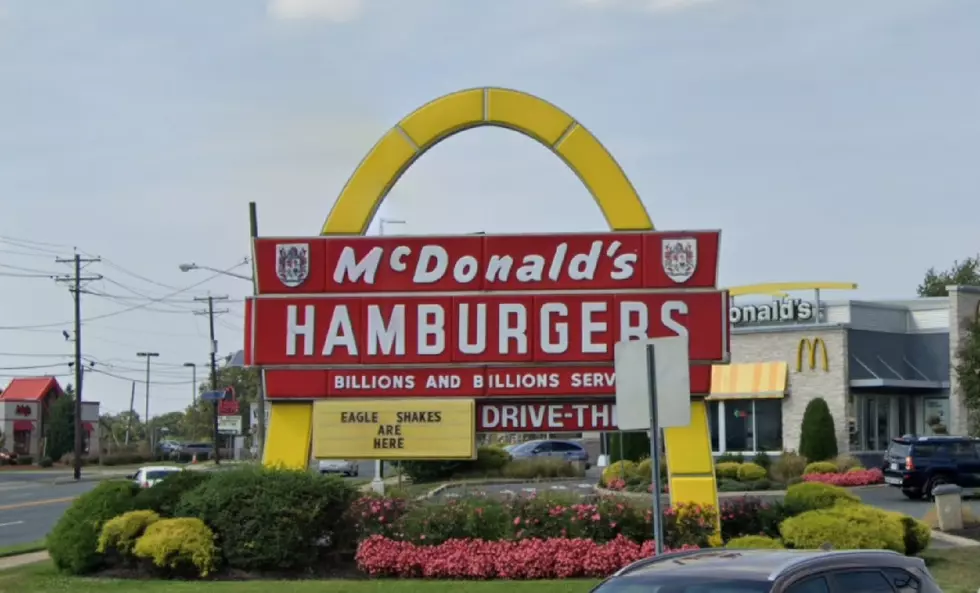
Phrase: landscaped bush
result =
(845, 527)
(917, 533)
(750, 472)
(818, 439)
(119, 534)
(755, 542)
(556, 558)
(124, 458)
(730, 458)
(787, 467)
(846, 463)
(491, 458)
(811, 496)
(178, 546)
(491, 461)
(527, 469)
(618, 470)
(73, 542)
(854, 477)
(165, 495)
(727, 470)
(820, 467)
(273, 519)
(644, 469)
(46, 462)
(25, 460)
(762, 460)
(750, 516)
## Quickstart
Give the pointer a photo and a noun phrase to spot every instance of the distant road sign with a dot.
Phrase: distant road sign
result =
(213, 396)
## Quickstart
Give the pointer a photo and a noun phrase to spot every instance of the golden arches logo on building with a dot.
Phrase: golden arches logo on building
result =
(812, 346)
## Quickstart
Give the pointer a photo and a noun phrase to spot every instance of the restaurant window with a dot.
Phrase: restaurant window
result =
(22, 442)
(746, 425)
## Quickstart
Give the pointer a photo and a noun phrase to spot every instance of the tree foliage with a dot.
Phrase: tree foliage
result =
(61, 426)
(818, 440)
(968, 372)
(961, 273)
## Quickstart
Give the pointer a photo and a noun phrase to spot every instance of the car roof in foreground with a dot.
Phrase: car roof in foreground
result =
(161, 468)
(765, 564)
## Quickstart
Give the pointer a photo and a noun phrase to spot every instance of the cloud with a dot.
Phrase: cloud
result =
(645, 5)
(337, 11)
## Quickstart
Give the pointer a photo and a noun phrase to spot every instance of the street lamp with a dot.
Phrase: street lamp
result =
(193, 381)
(146, 419)
(384, 221)
(193, 266)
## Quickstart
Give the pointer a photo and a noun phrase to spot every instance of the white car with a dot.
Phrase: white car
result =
(338, 466)
(151, 475)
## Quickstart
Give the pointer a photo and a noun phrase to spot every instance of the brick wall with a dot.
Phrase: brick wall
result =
(781, 345)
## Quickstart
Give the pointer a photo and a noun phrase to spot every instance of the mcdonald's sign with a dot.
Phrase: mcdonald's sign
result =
(812, 346)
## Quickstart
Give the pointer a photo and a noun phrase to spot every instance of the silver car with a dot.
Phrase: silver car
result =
(338, 466)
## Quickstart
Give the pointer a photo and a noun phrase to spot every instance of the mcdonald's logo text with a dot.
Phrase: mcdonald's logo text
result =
(811, 347)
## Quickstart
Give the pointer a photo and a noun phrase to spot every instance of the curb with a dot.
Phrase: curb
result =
(489, 482)
(955, 540)
(721, 495)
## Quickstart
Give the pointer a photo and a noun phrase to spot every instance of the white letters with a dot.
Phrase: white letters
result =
(340, 332)
(479, 343)
(590, 327)
(386, 337)
(432, 322)
(433, 261)
(582, 266)
(295, 329)
(628, 310)
(667, 316)
(561, 328)
(516, 331)
(348, 267)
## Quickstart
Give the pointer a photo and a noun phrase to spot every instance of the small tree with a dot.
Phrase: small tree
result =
(818, 440)
(61, 427)
(968, 373)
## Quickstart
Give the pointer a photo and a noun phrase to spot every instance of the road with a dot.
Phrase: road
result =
(31, 504)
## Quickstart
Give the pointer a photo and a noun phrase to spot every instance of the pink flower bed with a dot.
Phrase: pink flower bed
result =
(556, 558)
(864, 477)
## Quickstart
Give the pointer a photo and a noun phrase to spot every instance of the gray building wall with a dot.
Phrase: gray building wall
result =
(776, 344)
(888, 355)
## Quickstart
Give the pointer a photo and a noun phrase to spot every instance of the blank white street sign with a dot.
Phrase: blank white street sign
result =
(633, 383)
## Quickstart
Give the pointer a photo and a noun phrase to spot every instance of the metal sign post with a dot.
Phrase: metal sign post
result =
(658, 524)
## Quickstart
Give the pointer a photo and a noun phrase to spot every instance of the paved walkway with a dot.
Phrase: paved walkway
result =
(22, 560)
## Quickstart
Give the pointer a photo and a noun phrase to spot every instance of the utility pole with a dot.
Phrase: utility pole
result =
(76, 289)
(193, 381)
(253, 224)
(146, 408)
(214, 364)
(132, 402)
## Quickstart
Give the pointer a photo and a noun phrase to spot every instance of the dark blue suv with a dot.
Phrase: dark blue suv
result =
(918, 464)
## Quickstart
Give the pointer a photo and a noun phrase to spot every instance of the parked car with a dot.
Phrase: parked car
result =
(918, 464)
(774, 571)
(551, 449)
(7, 457)
(338, 466)
(150, 476)
(188, 450)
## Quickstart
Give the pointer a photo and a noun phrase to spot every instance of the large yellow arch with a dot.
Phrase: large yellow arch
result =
(689, 461)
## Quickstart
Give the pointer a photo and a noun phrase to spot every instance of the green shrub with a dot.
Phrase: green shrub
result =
(273, 519)
(727, 470)
(46, 462)
(845, 527)
(119, 534)
(165, 495)
(818, 440)
(178, 545)
(25, 460)
(730, 458)
(644, 469)
(820, 467)
(750, 472)
(491, 459)
(846, 463)
(618, 470)
(856, 469)
(630, 446)
(762, 460)
(124, 458)
(431, 471)
(811, 496)
(527, 469)
(788, 466)
(917, 534)
(754, 542)
(73, 542)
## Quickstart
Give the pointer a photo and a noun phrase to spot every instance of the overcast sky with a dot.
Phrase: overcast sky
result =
(829, 139)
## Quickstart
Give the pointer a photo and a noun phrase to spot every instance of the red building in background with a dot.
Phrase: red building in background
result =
(24, 411)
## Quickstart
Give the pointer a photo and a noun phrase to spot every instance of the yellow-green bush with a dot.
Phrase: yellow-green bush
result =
(820, 467)
(754, 542)
(847, 463)
(620, 469)
(845, 527)
(727, 470)
(856, 468)
(788, 466)
(751, 472)
(177, 545)
(119, 534)
(812, 496)
(644, 469)
(917, 533)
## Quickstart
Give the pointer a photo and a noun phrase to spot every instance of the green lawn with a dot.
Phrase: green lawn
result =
(18, 549)
(956, 570)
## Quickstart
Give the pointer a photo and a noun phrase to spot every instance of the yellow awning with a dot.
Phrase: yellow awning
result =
(756, 380)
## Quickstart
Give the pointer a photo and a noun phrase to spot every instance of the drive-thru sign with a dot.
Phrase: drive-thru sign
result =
(519, 332)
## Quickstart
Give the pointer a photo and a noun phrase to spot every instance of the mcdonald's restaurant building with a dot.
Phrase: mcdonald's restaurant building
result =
(885, 368)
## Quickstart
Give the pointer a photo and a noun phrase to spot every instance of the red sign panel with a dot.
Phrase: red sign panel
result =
(477, 382)
(603, 261)
(486, 328)
(503, 317)
(546, 417)
(23, 410)
(227, 407)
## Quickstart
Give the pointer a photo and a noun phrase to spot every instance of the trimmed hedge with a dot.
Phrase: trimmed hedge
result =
(755, 542)
(751, 472)
(820, 467)
(73, 542)
(845, 527)
(812, 496)
(165, 496)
